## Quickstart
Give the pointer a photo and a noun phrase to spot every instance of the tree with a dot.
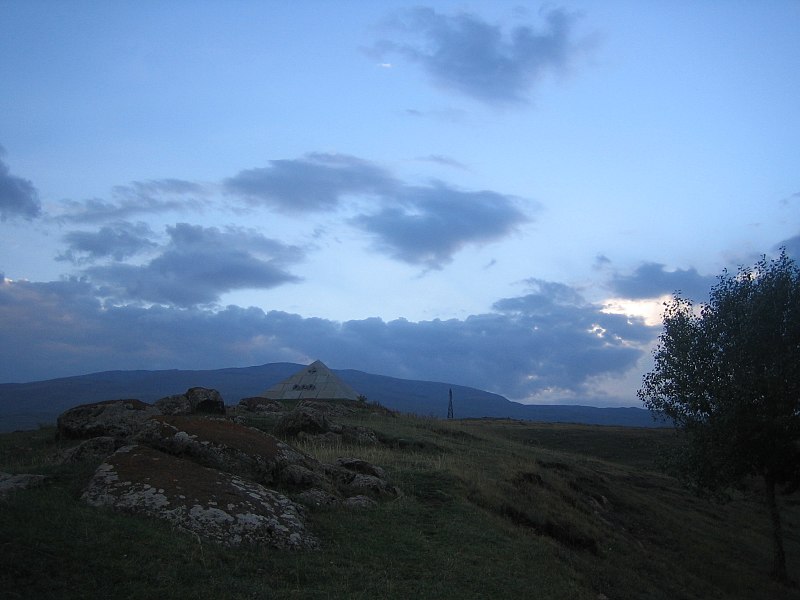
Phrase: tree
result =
(728, 375)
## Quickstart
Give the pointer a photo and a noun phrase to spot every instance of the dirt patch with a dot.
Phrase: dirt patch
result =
(234, 448)
(228, 433)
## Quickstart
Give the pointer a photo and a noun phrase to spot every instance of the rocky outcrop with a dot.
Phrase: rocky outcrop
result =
(361, 466)
(356, 477)
(12, 483)
(329, 409)
(212, 476)
(302, 420)
(257, 404)
(234, 448)
(305, 422)
(98, 447)
(359, 502)
(208, 502)
(118, 419)
(196, 400)
(359, 435)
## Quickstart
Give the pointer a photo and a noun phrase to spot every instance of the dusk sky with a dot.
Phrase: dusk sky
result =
(493, 194)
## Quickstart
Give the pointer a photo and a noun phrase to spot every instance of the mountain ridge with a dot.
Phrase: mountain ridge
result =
(26, 405)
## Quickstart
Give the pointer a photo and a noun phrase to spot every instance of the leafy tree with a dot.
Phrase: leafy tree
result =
(728, 375)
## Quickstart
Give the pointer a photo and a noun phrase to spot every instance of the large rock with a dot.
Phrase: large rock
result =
(196, 400)
(213, 504)
(93, 448)
(302, 420)
(306, 422)
(258, 404)
(329, 409)
(356, 477)
(12, 483)
(114, 418)
(234, 448)
(358, 465)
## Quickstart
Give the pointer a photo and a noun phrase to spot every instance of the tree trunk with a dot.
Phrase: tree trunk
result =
(778, 555)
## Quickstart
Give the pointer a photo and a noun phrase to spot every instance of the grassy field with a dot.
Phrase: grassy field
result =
(491, 509)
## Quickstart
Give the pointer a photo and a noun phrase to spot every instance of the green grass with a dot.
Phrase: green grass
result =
(490, 508)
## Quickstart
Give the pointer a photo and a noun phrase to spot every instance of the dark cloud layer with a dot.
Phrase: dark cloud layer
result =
(18, 196)
(317, 182)
(119, 241)
(479, 59)
(426, 226)
(548, 341)
(651, 280)
(198, 265)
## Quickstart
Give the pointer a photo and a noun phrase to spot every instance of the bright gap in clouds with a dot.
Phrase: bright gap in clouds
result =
(650, 309)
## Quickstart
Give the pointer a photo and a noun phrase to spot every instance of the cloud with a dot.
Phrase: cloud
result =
(18, 196)
(447, 115)
(317, 182)
(601, 261)
(198, 265)
(428, 225)
(471, 56)
(543, 296)
(651, 280)
(792, 246)
(420, 225)
(119, 241)
(548, 342)
(138, 198)
(444, 160)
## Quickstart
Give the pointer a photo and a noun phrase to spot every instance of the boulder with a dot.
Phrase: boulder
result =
(305, 422)
(113, 418)
(361, 466)
(93, 448)
(327, 438)
(356, 477)
(196, 400)
(359, 435)
(234, 448)
(316, 497)
(12, 483)
(302, 420)
(258, 404)
(210, 503)
(359, 502)
(329, 409)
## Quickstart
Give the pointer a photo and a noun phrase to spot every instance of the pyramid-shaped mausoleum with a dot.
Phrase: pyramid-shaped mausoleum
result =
(314, 382)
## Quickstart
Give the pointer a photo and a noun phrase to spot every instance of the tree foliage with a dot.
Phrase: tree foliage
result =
(728, 374)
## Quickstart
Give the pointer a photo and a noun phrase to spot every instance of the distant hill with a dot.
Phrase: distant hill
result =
(26, 405)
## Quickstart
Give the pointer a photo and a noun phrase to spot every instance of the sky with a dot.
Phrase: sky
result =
(492, 194)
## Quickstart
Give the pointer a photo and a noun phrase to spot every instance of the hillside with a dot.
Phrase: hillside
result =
(489, 509)
(26, 405)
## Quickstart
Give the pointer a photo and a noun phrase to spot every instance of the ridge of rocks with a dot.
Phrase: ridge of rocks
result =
(183, 461)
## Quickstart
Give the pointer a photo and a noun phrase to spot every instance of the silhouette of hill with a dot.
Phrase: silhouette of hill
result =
(26, 405)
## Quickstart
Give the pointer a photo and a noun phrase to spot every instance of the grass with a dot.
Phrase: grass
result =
(491, 508)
